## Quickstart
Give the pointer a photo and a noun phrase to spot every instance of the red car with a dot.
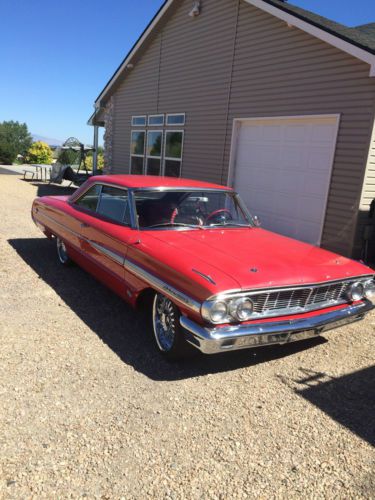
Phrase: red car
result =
(218, 282)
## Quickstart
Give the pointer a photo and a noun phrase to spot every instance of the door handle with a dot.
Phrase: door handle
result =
(83, 225)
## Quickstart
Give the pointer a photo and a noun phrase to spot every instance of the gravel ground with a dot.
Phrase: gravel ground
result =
(89, 409)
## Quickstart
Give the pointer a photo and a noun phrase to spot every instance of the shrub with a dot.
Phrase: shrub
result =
(89, 161)
(14, 139)
(39, 152)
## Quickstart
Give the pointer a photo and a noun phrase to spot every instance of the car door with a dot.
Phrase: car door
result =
(105, 230)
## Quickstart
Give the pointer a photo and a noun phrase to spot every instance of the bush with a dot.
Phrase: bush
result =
(14, 140)
(89, 161)
(69, 157)
(39, 152)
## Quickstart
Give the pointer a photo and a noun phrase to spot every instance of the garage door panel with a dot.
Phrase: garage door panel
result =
(283, 169)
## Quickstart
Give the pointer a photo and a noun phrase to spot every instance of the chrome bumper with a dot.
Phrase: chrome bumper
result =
(231, 338)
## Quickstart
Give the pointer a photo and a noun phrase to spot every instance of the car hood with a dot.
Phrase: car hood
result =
(256, 258)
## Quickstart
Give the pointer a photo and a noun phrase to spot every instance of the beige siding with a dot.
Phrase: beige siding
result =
(236, 61)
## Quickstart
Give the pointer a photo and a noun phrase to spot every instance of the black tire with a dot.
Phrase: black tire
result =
(168, 333)
(62, 253)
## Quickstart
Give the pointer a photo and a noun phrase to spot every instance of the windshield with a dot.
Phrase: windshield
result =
(190, 209)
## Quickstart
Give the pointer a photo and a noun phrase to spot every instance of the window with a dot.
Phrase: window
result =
(138, 121)
(173, 153)
(137, 152)
(153, 152)
(156, 120)
(176, 119)
(89, 200)
(157, 154)
(114, 204)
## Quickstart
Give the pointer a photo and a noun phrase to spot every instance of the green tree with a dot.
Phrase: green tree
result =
(39, 152)
(14, 140)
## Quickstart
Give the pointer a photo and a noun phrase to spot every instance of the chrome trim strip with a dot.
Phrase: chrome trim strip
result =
(214, 340)
(162, 286)
(108, 253)
(204, 276)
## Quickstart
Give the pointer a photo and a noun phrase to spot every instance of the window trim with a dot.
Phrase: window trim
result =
(132, 225)
(136, 155)
(165, 148)
(140, 125)
(175, 124)
(156, 124)
(106, 217)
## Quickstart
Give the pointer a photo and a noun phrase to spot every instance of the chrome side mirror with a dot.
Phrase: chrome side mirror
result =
(256, 221)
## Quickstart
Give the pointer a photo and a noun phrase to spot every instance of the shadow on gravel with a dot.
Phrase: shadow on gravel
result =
(45, 189)
(350, 400)
(124, 330)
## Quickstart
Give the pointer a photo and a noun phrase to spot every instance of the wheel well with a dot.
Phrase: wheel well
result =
(145, 298)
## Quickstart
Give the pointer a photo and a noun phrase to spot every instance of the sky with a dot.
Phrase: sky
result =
(56, 56)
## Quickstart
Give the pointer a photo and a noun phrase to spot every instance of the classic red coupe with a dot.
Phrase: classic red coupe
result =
(218, 282)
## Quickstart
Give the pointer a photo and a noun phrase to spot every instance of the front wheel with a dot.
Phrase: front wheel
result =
(168, 332)
(62, 253)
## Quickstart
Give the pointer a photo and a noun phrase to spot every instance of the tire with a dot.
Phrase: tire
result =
(168, 333)
(62, 253)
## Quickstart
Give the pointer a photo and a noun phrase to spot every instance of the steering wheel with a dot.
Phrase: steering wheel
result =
(220, 215)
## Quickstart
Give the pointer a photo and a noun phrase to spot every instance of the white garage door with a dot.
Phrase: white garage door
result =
(283, 169)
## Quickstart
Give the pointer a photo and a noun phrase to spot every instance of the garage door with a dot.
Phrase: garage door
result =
(283, 169)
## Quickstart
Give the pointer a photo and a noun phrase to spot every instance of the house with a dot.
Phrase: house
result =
(262, 95)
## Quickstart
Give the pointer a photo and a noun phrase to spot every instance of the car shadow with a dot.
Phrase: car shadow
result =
(350, 399)
(125, 330)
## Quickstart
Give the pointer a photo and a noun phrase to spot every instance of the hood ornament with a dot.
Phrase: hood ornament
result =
(253, 270)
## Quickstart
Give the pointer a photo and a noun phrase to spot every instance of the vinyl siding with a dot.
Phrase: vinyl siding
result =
(236, 61)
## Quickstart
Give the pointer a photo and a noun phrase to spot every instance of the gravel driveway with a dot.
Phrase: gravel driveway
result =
(89, 409)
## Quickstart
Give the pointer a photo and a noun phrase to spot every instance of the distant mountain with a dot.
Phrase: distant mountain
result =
(48, 140)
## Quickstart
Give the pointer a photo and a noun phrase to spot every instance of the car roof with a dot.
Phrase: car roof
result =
(152, 181)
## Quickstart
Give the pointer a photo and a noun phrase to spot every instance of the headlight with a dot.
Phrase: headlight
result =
(357, 291)
(215, 312)
(370, 290)
(241, 309)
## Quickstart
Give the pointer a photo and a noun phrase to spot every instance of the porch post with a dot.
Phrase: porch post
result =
(95, 152)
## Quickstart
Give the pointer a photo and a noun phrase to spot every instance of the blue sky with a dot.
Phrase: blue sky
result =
(57, 56)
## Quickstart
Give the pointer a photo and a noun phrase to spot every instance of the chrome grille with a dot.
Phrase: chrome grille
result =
(300, 299)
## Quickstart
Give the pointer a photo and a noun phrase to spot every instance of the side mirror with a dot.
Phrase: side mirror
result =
(256, 221)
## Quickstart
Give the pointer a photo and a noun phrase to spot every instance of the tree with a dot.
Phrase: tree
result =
(14, 140)
(39, 152)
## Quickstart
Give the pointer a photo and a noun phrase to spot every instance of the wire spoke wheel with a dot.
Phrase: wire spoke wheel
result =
(165, 317)
(62, 252)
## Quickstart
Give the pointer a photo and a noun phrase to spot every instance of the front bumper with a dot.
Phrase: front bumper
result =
(234, 337)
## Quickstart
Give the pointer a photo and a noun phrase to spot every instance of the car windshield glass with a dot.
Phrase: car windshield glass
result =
(190, 209)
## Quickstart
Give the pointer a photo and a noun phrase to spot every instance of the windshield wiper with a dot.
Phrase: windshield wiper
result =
(180, 224)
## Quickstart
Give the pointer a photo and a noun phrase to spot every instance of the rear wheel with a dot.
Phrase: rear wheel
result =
(62, 253)
(168, 332)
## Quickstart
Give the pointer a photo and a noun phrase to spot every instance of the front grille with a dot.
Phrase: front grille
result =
(300, 299)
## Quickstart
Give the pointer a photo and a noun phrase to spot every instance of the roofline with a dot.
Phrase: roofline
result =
(160, 13)
(325, 34)
(280, 11)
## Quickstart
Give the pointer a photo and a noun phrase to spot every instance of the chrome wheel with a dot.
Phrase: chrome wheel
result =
(164, 317)
(62, 252)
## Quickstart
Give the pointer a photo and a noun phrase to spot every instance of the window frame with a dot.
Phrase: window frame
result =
(97, 215)
(143, 156)
(107, 217)
(175, 124)
(168, 158)
(141, 124)
(147, 156)
(156, 124)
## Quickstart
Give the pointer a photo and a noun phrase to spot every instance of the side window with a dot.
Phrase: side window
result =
(114, 204)
(90, 199)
